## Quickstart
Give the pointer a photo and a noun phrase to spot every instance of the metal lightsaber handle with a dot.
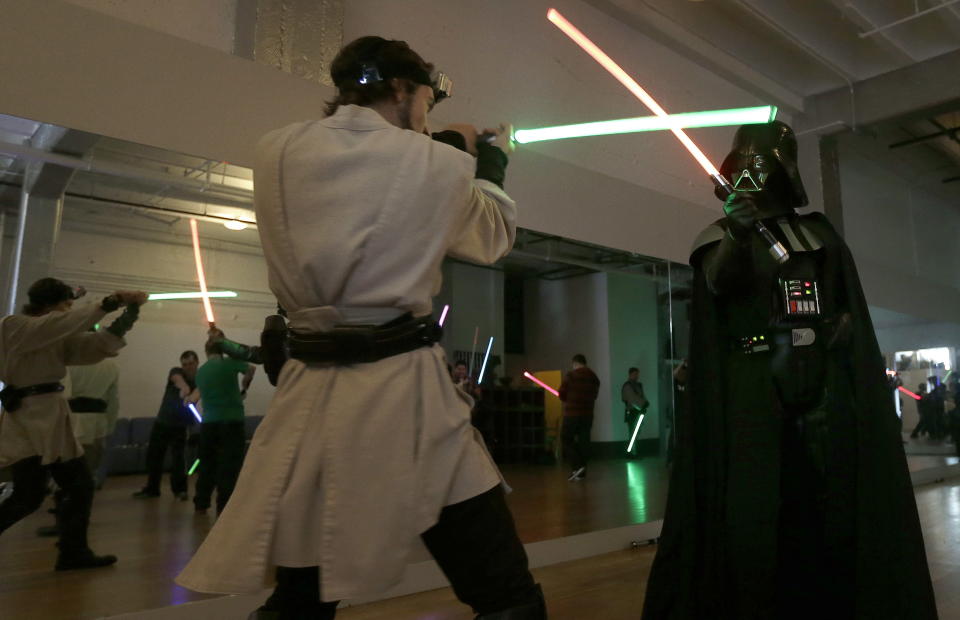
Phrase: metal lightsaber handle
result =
(777, 250)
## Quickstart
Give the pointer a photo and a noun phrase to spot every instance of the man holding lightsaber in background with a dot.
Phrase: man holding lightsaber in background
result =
(222, 435)
(635, 404)
(356, 213)
(36, 432)
(170, 430)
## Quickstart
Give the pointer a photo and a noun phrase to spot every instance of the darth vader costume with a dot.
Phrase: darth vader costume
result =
(790, 495)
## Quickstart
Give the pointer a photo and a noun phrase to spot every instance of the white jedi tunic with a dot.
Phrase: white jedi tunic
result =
(100, 381)
(352, 463)
(37, 350)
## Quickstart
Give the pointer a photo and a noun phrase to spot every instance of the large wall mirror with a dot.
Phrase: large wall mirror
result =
(107, 214)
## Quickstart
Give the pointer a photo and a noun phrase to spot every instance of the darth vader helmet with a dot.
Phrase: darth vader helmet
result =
(764, 159)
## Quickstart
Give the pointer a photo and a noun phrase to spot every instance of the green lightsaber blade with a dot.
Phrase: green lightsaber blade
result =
(191, 295)
(708, 118)
(635, 431)
(193, 467)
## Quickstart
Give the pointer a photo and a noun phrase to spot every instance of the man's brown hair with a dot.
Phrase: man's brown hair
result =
(375, 61)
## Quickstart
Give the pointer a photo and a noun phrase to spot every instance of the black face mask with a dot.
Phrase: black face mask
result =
(764, 161)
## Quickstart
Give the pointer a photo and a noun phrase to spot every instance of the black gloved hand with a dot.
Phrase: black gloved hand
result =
(453, 138)
(123, 323)
(741, 212)
(491, 164)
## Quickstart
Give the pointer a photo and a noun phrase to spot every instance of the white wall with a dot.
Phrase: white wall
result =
(634, 341)
(208, 22)
(475, 295)
(106, 256)
(920, 336)
(904, 239)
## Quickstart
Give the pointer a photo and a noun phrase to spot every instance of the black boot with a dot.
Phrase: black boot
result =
(321, 611)
(73, 560)
(536, 609)
(296, 597)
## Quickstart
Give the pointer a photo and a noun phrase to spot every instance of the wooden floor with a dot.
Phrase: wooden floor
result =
(611, 586)
(605, 587)
(155, 538)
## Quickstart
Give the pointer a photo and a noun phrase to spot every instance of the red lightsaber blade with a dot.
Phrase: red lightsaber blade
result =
(541, 384)
(207, 306)
(777, 250)
(909, 393)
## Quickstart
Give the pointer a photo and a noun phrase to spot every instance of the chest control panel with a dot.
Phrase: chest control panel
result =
(801, 298)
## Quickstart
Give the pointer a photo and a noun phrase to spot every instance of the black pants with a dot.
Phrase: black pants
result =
(474, 542)
(221, 457)
(76, 488)
(162, 436)
(576, 439)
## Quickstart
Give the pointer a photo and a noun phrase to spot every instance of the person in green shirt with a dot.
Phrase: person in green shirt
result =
(222, 431)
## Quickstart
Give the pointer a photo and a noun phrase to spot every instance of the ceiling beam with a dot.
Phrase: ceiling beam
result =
(912, 91)
(952, 131)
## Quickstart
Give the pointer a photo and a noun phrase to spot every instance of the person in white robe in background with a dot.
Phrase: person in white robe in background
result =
(36, 432)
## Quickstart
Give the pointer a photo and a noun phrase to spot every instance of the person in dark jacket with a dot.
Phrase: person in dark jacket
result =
(170, 430)
(578, 391)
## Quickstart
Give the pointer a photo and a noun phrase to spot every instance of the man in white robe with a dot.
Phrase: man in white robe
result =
(356, 213)
(36, 431)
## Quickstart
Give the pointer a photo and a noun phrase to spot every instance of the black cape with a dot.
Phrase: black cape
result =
(717, 556)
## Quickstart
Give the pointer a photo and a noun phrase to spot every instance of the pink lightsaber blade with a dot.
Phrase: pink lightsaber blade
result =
(617, 72)
(777, 250)
(207, 306)
(541, 384)
(443, 315)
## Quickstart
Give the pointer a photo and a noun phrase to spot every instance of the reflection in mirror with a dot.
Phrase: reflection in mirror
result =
(109, 215)
(548, 300)
(925, 392)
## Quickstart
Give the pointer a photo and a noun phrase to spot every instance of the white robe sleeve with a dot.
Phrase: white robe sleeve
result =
(91, 347)
(488, 227)
(30, 333)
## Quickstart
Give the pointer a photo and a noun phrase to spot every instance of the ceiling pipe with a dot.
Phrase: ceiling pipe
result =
(870, 33)
(951, 132)
(119, 170)
(826, 62)
(134, 206)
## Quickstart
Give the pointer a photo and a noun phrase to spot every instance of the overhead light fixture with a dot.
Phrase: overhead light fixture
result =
(235, 225)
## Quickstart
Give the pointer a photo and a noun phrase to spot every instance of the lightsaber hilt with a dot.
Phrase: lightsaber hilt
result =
(776, 249)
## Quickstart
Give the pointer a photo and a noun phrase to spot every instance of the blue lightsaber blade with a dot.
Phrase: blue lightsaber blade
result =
(193, 410)
(485, 358)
